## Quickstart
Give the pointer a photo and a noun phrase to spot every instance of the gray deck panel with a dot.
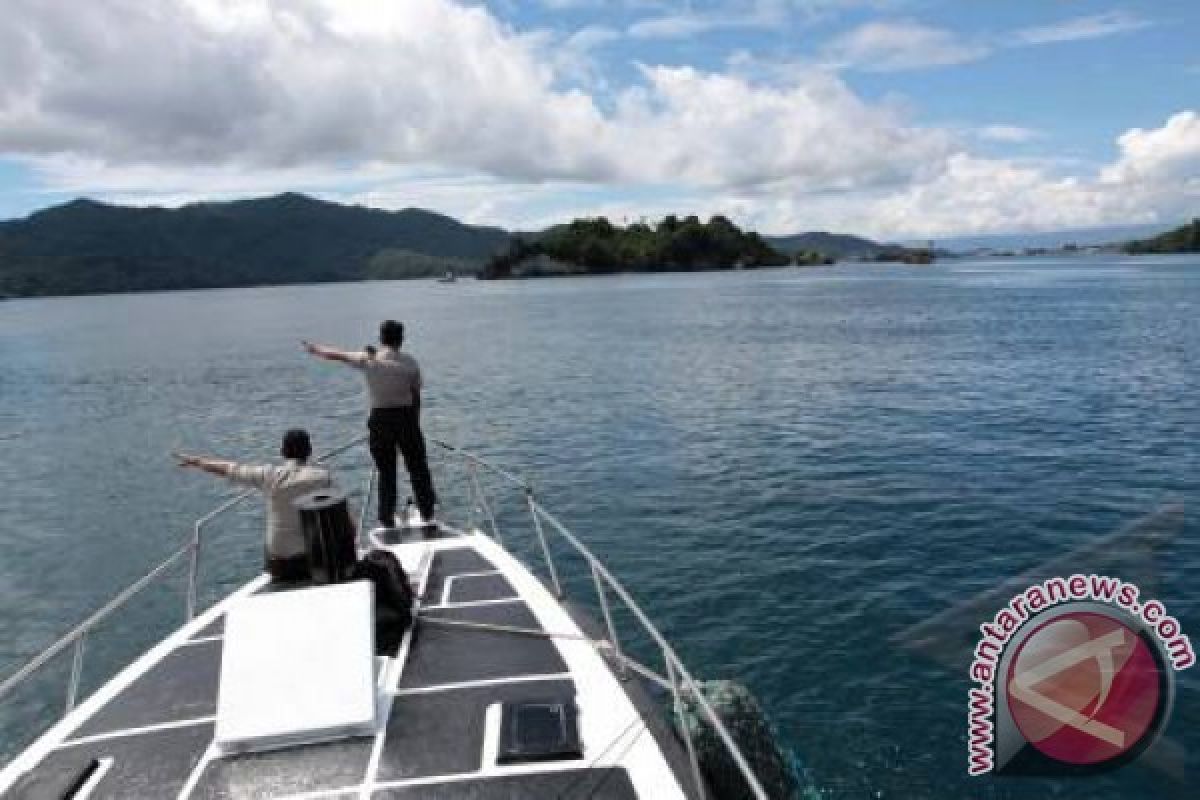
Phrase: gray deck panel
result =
(145, 767)
(454, 655)
(441, 733)
(609, 783)
(405, 535)
(453, 561)
(183, 685)
(214, 628)
(310, 768)
(473, 588)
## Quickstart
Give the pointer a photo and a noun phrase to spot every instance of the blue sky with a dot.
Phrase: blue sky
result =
(892, 118)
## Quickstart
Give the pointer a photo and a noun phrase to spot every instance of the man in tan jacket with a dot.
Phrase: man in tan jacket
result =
(285, 552)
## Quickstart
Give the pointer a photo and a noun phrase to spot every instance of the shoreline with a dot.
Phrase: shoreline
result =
(466, 279)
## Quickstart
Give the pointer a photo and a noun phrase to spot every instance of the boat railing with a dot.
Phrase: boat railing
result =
(674, 678)
(677, 679)
(76, 639)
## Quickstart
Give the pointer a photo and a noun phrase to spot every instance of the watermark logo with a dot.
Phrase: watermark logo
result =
(1075, 675)
(1084, 688)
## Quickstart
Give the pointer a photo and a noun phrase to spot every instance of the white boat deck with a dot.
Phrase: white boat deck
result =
(149, 732)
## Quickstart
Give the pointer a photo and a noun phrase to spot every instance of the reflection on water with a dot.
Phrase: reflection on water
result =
(786, 467)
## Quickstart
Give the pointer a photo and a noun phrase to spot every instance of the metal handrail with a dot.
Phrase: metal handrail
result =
(77, 635)
(511, 477)
(677, 678)
(674, 665)
(95, 619)
(198, 527)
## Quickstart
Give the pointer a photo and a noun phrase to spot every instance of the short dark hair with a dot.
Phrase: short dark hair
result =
(391, 333)
(296, 445)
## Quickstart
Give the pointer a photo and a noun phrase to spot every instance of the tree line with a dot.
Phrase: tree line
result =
(595, 245)
(1181, 240)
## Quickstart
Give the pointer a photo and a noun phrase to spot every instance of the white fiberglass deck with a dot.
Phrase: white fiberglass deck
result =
(150, 732)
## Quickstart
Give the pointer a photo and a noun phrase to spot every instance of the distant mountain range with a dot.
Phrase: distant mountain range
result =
(837, 245)
(1083, 237)
(86, 247)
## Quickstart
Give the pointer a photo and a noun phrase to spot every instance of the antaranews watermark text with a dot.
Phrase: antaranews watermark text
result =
(997, 633)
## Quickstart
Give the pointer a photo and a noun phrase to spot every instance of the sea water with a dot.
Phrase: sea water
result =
(787, 468)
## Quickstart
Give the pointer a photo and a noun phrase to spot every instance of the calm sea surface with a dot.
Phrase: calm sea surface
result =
(787, 468)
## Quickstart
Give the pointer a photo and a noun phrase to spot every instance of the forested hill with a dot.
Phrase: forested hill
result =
(86, 247)
(594, 245)
(1181, 240)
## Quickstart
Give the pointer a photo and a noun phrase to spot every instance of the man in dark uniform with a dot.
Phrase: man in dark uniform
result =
(394, 388)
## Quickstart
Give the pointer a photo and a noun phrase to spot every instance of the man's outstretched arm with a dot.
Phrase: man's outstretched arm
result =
(214, 466)
(332, 354)
(256, 477)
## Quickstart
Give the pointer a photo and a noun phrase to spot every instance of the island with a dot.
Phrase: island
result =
(1185, 239)
(595, 246)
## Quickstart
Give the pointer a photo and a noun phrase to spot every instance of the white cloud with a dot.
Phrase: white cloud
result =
(565, 5)
(1011, 134)
(684, 19)
(1091, 27)
(323, 83)
(811, 132)
(974, 195)
(592, 36)
(1166, 154)
(428, 102)
(280, 84)
(1155, 179)
(900, 45)
(892, 46)
(686, 24)
(573, 56)
(683, 126)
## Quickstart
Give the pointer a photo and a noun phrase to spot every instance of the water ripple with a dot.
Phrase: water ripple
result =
(786, 467)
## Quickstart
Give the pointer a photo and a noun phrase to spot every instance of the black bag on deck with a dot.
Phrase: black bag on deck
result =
(393, 598)
(329, 535)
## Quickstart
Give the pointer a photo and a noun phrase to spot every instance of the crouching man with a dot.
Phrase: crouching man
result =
(285, 553)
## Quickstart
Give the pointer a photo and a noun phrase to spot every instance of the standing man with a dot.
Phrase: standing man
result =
(394, 389)
(286, 554)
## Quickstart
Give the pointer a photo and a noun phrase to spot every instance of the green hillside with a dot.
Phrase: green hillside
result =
(86, 247)
(1185, 239)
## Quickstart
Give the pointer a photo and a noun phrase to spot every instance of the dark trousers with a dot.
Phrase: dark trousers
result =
(393, 429)
(287, 570)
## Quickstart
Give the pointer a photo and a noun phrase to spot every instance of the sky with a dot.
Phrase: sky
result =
(896, 119)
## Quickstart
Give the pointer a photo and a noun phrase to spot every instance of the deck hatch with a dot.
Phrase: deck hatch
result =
(298, 668)
(546, 730)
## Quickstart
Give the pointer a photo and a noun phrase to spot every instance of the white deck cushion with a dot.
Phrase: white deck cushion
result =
(297, 667)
